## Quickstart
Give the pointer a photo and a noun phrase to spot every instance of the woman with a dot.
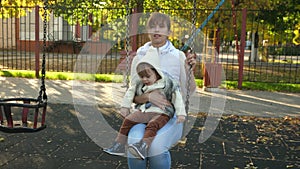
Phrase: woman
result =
(175, 63)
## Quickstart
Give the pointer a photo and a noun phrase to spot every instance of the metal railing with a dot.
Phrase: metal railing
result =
(276, 61)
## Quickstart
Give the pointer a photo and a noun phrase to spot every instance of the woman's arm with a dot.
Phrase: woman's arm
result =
(141, 98)
(190, 67)
(155, 97)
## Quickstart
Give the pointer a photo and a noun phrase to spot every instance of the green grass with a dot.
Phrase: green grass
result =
(63, 76)
(272, 87)
(279, 87)
(19, 73)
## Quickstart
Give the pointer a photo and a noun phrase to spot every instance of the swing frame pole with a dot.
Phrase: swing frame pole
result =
(189, 41)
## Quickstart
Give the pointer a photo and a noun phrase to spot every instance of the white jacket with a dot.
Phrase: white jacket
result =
(172, 61)
(166, 85)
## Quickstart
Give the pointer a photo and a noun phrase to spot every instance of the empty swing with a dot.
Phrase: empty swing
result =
(23, 115)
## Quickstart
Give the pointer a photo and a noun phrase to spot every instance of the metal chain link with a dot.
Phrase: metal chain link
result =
(127, 43)
(42, 94)
(192, 44)
(187, 101)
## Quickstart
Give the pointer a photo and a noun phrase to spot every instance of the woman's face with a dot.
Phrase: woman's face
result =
(158, 33)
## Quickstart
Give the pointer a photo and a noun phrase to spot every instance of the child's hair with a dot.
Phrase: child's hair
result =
(143, 70)
(158, 18)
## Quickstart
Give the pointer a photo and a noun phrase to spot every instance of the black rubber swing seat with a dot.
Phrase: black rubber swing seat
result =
(17, 111)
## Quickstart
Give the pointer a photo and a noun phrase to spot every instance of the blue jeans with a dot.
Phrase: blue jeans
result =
(159, 156)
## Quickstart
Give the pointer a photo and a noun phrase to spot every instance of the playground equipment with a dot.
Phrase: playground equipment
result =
(11, 107)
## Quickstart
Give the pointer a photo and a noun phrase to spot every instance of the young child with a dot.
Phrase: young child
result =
(150, 79)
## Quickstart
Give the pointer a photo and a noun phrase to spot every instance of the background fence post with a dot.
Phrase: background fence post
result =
(242, 48)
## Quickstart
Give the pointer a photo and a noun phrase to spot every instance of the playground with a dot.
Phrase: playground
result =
(55, 128)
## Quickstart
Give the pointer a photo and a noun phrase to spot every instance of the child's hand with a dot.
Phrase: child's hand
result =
(180, 119)
(124, 111)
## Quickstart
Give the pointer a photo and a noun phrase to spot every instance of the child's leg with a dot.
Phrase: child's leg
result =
(131, 120)
(156, 123)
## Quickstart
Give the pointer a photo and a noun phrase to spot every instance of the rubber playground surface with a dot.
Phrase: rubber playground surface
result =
(238, 142)
(241, 140)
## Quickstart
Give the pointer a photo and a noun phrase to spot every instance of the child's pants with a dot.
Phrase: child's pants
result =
(155, 121)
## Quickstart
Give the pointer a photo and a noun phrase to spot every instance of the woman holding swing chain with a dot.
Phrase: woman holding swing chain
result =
(178, 65)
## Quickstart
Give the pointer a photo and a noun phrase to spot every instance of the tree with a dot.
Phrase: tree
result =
(96, 12)
(16, 8)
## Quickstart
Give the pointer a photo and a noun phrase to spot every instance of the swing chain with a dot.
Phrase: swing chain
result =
(194, 15)
(42, 94)
(127, 43)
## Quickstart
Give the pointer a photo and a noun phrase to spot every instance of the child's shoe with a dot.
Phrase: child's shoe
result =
(139, 149)
(116, 149)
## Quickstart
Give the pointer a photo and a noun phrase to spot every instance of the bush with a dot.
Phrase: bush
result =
(284, 50)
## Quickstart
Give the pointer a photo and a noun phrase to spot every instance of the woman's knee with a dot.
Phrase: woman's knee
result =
(136, 133)
(165, 138)
(161, 161)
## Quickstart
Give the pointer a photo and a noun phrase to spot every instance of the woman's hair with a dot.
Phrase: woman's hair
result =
(143, 70)
(158, 18)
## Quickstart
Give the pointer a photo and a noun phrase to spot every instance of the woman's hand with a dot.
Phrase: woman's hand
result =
(158, 99)
(191, 59)
(124, 112)
(180, 119)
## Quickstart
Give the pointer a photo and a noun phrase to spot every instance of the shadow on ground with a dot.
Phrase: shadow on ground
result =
(238, 142)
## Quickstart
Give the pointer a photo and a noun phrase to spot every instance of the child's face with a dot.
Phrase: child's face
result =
(148, 76)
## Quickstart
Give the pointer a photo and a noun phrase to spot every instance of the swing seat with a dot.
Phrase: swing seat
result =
(22, 115)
